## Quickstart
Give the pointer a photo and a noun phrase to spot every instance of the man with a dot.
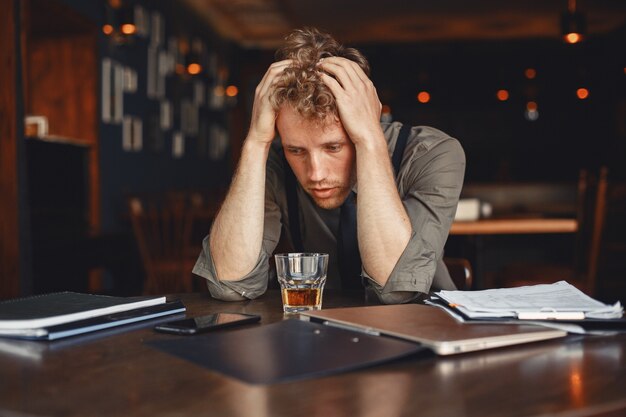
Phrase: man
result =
(319, 98)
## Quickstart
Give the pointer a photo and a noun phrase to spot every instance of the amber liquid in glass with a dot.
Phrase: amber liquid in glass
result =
(302, 299)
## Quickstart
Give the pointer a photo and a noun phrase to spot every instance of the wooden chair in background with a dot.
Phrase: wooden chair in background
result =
(163, 229)
(460, 271)
(582, 271)
(611, 269)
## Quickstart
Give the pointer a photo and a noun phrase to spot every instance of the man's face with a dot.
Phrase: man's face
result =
(322, 156)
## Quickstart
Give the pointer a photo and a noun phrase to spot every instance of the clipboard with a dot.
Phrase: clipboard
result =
(286, 351)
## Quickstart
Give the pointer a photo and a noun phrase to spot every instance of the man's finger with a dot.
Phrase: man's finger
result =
(345, 75)
(271, 75)
(351, 68)
(335, 87)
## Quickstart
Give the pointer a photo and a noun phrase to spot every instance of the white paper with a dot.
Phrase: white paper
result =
(118, 93)
(166, 120)
(127, 133)
(178, 145)
(508, 302)
(137, 136)
(107, 92)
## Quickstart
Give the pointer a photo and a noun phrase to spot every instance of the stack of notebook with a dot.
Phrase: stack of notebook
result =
(64, 314)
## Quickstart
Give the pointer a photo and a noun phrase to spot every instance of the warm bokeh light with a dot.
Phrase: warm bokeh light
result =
(576, 387)
(531, 114)
(129, 29)
(530, 73)
(573, 37)
(385, 114)
(194, 68)
(107, 29)
(423, 97)
(582, 93)
(503, 95)
(232, 91)
(218, 90)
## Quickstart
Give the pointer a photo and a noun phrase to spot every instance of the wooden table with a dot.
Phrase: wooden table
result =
(120, 375)
(514, 226)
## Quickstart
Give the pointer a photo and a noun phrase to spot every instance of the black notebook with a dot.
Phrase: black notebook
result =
(35, 350)
(102, 322)
(22, 317)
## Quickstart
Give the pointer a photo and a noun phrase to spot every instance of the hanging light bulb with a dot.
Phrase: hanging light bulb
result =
(573, 25)
(423, 97)
(127, 20)
(120, 24)
(193, 58)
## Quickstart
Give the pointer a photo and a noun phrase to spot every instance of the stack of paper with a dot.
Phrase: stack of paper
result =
(53, 316)
(558, 301)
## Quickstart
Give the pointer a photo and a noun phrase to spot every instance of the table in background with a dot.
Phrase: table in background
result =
(514, 226)
(120, 375)
(477, 229)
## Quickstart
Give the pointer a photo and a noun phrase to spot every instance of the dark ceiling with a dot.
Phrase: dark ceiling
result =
(263, 23)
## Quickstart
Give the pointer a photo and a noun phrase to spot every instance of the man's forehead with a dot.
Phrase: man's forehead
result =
(298, 131)
(291, 115)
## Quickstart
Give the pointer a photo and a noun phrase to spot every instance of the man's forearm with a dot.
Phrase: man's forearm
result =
(384, 228)
(237, 232)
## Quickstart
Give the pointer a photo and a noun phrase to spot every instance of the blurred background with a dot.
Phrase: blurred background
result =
(121, 123)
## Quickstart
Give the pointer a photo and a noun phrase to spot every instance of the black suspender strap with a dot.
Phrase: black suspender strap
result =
(398, 151)
(348, 245)
(293, 207)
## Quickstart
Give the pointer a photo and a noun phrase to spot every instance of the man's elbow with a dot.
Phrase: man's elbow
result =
(399, 297)
(224, 293)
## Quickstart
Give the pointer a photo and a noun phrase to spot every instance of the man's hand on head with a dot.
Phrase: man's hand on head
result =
(263, 122)
(357, 99)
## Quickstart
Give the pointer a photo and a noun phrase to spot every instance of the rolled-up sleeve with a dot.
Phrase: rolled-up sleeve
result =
(253, 284)
(430, 187)
(249, 287)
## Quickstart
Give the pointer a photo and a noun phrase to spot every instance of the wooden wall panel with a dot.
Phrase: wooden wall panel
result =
(62, 72)
(62, 85)
(62, 81)
(9, 201)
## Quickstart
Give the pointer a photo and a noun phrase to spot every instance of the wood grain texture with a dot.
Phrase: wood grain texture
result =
(62, 85)
(61, 71)
(120, 375)
(9, 206)
(514, 226)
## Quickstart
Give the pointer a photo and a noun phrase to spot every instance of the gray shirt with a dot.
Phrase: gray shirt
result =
(429, 183)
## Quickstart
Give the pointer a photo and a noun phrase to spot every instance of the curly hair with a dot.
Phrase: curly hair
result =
(301, 86)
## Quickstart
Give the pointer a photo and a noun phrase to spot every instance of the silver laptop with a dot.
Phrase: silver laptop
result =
(430, 326)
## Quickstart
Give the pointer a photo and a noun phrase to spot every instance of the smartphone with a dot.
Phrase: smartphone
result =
(206, 323)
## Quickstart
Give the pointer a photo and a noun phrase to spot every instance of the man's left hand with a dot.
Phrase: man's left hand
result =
(357, 99)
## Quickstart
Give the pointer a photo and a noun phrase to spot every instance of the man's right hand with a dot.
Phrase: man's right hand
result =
(263, 123)
(237, 232)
